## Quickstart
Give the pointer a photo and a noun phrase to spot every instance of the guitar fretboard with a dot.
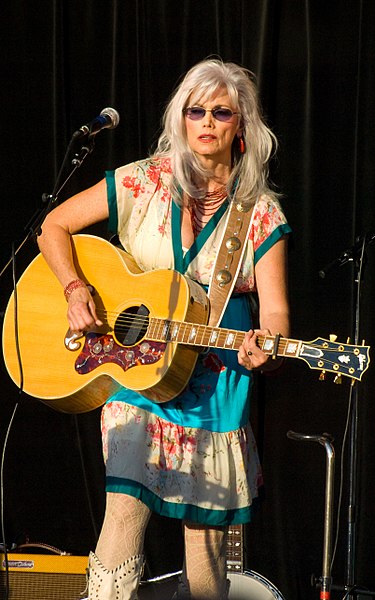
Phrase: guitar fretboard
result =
(216, 337)
(325, 355)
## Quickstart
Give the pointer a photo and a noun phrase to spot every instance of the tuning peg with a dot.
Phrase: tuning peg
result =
(322, 376)
(338, 379)
(332, 337)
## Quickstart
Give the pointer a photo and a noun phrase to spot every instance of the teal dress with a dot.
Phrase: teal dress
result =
(193, 457)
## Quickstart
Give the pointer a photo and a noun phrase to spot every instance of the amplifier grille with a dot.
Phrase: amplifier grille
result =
(40, 577)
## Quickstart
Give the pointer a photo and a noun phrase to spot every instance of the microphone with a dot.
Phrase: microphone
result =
(351, 253)
(108, 119)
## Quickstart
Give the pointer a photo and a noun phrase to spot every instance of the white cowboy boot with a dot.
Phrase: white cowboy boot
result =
(120, 583)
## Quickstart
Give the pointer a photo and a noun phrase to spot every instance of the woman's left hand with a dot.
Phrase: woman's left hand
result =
(250, 355)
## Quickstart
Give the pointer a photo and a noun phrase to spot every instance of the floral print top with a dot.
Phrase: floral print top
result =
(140, 205)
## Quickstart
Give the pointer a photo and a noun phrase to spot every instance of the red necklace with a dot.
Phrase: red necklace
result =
(205, 207)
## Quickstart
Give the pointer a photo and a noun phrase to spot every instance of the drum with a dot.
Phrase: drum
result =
(249, 585)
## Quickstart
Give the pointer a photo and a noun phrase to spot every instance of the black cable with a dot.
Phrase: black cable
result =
(341, 487)
(6, 562)
(88, 495)
(16, 337)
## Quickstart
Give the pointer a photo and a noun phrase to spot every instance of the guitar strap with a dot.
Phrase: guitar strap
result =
(228, 260)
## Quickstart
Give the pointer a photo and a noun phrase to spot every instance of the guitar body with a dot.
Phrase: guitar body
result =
(49, 364)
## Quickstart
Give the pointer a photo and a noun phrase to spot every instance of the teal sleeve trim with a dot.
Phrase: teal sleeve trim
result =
(176, 238)
(271, 240)
(112, 201)
(178, 511)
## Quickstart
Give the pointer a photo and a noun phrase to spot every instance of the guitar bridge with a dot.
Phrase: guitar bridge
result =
(70, 340)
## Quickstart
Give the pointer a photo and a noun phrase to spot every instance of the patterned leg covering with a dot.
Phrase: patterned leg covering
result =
(123, 530)
(120, 583)
(204, 573)
(116, 568)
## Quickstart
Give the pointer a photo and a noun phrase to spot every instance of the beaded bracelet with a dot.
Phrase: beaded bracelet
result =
(73, 285)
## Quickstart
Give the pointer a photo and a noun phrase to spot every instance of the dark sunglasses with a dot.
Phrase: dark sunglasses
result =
(196, 113)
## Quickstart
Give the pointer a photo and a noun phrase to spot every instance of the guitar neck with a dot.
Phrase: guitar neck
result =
(205, 336)
(235, 549)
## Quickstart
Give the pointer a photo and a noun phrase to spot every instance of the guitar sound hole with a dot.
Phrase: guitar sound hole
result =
(131, 325)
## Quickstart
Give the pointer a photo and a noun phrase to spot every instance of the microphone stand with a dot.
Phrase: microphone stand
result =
(34, 226)
(355, 254)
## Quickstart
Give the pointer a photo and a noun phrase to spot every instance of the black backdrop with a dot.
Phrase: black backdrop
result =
(62, 62)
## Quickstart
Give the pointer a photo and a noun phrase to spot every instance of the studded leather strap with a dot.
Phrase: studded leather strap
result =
(228, 260)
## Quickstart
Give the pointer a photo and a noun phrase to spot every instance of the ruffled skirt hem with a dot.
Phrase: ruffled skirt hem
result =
(182, 472)
(185, 512)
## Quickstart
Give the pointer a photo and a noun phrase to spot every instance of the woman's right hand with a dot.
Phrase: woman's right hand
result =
(82, 310)
(55, 243)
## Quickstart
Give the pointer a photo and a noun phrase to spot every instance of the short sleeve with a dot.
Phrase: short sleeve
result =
(268, 226)
(112, 201)
(139, 205)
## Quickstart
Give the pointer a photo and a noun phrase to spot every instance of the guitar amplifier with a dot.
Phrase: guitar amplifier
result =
(44, 577)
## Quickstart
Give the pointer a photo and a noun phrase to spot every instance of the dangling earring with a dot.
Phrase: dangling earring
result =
(241, 142)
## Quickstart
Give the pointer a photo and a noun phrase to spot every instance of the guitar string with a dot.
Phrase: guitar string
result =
(140, 319)
(205, 332)
(129, 319)
(156, 322)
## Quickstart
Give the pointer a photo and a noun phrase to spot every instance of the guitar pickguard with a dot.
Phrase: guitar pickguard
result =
(100, 349)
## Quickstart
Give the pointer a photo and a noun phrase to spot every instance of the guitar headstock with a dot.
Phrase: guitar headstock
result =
(331, 356)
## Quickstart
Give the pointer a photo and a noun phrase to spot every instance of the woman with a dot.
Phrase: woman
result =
(192, 457)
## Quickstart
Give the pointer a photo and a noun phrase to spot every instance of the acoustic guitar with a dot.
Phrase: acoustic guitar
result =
(155, 324)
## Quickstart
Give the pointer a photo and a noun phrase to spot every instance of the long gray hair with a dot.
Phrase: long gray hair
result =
(249, 169)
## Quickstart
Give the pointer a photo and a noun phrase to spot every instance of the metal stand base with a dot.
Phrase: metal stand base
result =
(357, 592)
(325, 581)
